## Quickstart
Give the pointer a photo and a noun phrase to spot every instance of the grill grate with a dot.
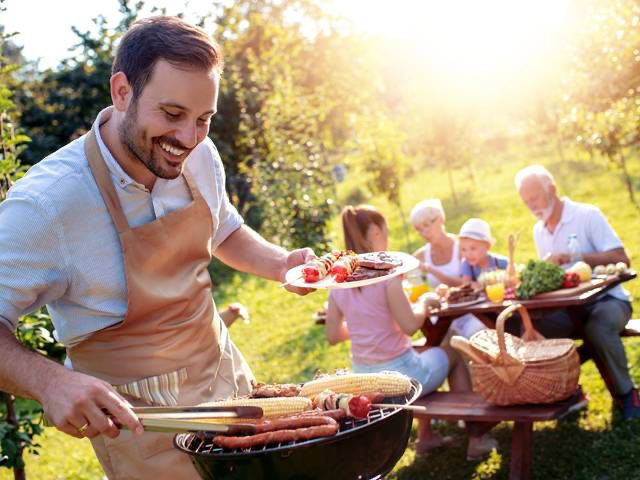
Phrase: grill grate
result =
(205, 446)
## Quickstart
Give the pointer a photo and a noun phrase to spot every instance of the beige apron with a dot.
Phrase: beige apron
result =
(169, 348)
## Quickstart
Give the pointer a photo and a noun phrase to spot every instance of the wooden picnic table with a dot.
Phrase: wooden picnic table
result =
(435, 327)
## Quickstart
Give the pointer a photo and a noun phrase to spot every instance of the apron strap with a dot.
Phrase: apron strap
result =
(103, 179)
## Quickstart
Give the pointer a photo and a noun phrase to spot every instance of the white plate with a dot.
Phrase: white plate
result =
(409, 262)
(480, 299)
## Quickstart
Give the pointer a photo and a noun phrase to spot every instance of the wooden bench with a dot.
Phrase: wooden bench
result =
(471, 407)
(632, 329)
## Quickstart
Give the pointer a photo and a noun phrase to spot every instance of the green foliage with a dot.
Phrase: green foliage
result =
(35, 332)
(601, 95)
(18, 436)
(18, 432)
(277, 119)
(60, 105)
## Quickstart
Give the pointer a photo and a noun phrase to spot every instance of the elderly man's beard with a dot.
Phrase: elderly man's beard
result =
(127, 133)
(543, 214)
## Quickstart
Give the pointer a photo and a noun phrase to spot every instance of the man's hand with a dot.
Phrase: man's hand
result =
(74, 403)
(558, 258)
(295, 258)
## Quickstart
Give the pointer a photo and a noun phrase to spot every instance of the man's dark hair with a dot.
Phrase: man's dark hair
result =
(168, 38)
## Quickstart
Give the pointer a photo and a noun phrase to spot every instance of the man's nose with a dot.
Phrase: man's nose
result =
(187, 135)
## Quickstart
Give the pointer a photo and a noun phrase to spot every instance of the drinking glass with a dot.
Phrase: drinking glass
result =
(495, 292)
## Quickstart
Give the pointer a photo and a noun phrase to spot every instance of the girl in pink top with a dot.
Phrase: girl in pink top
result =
(379, 321)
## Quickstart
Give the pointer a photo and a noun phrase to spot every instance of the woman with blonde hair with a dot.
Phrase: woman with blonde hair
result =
(440, 257)
(379, 320)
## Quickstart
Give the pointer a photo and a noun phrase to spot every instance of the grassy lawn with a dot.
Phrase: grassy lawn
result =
(282, 343)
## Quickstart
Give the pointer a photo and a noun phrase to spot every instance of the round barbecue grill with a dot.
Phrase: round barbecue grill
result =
(362, 449)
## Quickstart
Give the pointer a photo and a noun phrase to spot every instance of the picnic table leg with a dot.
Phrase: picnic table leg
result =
(521, 451)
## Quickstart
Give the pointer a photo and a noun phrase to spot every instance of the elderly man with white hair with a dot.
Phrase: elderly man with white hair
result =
(601, 321)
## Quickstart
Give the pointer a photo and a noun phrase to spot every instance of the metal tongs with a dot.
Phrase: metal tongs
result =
(185, 419)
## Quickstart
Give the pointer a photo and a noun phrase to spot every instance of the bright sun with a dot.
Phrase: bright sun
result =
(471, 46)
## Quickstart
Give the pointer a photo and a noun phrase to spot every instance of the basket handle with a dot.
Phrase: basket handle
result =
(462, 345)
(530, 333)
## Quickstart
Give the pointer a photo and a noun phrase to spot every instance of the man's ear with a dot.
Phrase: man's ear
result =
(121, 91)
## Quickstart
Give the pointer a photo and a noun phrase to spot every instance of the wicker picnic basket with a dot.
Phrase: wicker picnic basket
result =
(507, 370)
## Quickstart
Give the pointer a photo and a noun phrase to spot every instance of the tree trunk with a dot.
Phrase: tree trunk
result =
(628, 181)
(12, 419)
(471, 172)
(405, 224)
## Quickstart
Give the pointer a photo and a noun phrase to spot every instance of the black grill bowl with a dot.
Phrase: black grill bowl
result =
(360, 450)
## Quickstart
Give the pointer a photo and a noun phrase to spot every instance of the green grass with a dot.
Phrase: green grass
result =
(282, 343)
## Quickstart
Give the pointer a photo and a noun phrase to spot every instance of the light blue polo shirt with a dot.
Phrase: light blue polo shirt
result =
(593, 231)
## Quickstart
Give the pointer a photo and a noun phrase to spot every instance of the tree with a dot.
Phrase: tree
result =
(18, 433)
(60, 105)
(604, 86)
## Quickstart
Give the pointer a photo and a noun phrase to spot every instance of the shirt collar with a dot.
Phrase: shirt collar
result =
(568, 211)
(122, 179)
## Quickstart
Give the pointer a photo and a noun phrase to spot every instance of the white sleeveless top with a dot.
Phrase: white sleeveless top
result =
(451, 269)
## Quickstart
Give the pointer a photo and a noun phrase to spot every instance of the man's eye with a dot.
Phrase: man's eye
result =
(171, 115)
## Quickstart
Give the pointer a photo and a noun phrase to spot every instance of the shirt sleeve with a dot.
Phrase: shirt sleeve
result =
(229, 220)
(32, 266)
(601, 234)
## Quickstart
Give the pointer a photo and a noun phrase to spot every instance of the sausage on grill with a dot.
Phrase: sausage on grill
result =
(277, 436)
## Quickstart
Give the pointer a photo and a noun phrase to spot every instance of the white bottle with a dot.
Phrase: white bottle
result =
(575, 255)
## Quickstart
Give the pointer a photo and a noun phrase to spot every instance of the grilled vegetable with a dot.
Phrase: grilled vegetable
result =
(271, 407)
(318, 268)
(388, 384)
(344, 267)
(355, 406)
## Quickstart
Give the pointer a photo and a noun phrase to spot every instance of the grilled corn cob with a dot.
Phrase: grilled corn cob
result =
(271, 407)
(389, 384)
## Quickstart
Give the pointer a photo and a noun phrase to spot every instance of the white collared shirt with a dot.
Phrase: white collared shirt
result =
(593, 231)
(58, 244)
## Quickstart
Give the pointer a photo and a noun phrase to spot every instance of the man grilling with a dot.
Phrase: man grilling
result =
(114, 233)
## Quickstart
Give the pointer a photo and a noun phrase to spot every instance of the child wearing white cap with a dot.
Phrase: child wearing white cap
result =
(475, 242)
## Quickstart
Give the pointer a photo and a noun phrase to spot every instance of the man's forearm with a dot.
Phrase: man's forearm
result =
(23, 372)
(247, 251)
(604, 258)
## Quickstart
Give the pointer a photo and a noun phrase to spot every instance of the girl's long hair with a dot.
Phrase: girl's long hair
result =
(355, 224)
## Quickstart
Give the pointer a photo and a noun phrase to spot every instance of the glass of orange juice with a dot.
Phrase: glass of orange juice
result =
(414, 285)
(495, 292)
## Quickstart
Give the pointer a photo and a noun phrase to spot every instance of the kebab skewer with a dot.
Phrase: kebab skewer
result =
(344, 266)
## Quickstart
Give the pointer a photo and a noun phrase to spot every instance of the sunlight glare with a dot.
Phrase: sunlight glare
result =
(470, 46)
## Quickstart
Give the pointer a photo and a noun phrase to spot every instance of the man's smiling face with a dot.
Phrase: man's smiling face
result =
(170, 117)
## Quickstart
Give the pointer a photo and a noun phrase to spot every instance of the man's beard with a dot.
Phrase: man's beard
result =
(544, 214)
(127, 133)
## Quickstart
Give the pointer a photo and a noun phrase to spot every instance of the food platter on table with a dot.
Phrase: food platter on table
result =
(466, 303)
(403, 263)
